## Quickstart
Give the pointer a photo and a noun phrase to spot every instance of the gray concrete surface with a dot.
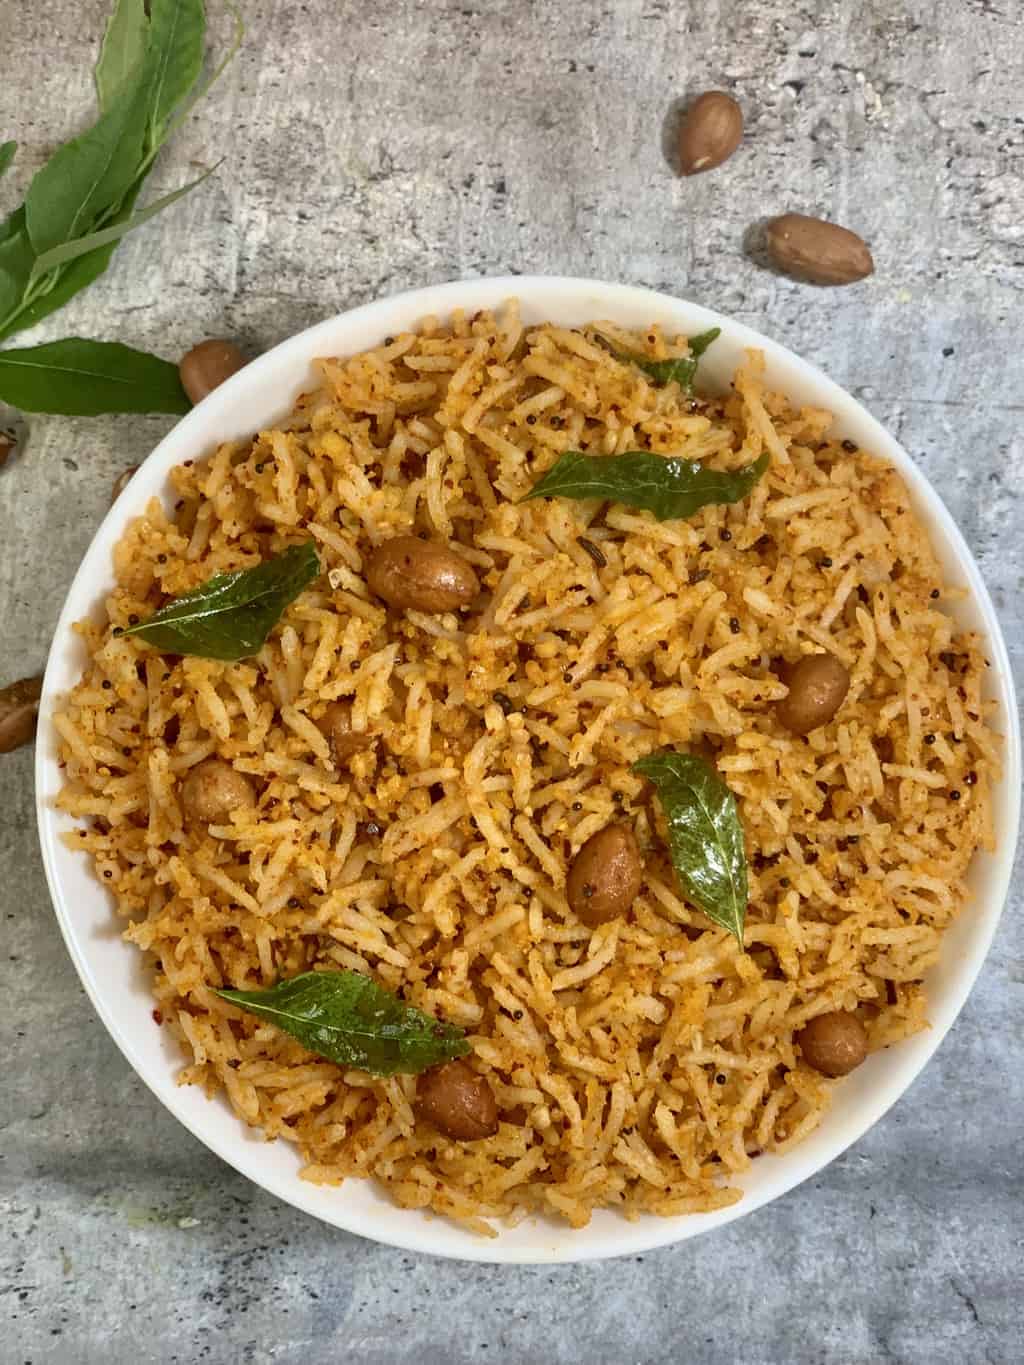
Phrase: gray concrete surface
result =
(369, 148)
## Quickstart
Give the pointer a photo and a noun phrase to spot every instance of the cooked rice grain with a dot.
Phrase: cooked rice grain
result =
(640, 1066)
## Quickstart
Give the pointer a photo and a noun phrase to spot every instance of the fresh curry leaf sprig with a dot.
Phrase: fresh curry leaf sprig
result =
(82, 202)
(665, 485)
(81, 378)
(349, 1019)
(704, 834)
(683, 369)
(230, 615)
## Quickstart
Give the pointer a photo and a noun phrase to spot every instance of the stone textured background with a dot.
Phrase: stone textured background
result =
(373, 147)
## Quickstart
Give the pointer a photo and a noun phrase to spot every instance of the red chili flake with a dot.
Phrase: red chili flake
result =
(158, 1018)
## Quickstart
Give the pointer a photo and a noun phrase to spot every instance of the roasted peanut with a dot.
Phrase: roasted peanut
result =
(207, 365)
(122, 481)
(820, 253)
(833, 1043)
(818, 684)
(409, 572)
(459, 1103)
(19, 705)
(213, 789)
(710, 132)
(605, 876)
(336, 726)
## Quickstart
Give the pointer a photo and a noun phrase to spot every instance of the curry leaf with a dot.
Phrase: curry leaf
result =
(16, 261)
(14, 222)
(349, 1019)
(90, 175)
(82, 378)
(202, 91)
(700, 343)
(704, 834)
(70, 251)
(230, 616)
(82, 201)
(124, 45)
(32, 305)
(665, 485)
(7, 150)
(682, 369)
(177, 32)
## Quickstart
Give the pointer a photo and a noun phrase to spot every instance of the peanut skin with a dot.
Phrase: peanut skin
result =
(122, 481)
(818, 252)
(336, 727)
(409, 572)
(710, 132)
(213, 789)
(19, 705)
(834, 1043)
(459, 1103)
(207, 365)
(605, 877)
(818, 684)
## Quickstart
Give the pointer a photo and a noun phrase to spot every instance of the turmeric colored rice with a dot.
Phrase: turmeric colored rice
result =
(641, 1065)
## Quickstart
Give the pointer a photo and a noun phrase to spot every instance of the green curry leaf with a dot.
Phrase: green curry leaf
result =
(89, 176)
(32, 305)
(177, 34)
(82, 201)
(16, 261)
(109, 236)
(82, 378)
(681, 370)
(349, 1019)
(704, 834)
(665, 485)
(230, 616)
(700, 343)
(124, 45)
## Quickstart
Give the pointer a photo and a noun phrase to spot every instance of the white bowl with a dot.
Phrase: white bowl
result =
(113, 973)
